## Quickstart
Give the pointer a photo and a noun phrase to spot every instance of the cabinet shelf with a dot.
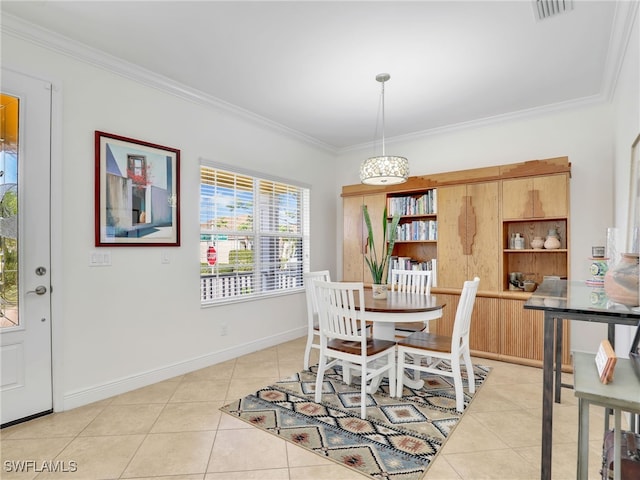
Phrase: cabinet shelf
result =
(416, 216)
(416, 241)
(535, 250)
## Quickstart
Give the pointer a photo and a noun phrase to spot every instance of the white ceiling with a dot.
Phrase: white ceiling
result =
(311, 66)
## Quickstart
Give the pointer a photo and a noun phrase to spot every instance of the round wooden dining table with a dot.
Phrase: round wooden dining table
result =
(399, 307)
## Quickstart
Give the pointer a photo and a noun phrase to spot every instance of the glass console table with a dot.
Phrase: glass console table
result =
(571, 300)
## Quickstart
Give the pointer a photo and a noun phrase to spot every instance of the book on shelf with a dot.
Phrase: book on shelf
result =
(605, 361)
(408, 263)
(424, 204)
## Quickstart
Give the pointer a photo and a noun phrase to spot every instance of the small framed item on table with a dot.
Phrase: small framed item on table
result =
(605, 361)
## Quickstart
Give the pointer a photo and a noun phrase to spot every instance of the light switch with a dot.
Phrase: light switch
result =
(100, 258)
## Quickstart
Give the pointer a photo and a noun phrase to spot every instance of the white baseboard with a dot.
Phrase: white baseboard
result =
(143, 379)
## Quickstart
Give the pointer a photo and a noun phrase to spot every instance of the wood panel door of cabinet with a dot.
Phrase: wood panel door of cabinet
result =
(469, 233)
(522, 332)
(535, 197)
(354, 243)
(484, 336)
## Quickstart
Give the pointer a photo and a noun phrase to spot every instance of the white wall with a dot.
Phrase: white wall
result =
(627, 127)
(140, 321)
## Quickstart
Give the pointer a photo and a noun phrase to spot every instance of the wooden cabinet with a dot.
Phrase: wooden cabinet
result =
(535, 197)
(477, 211)
(531, 207)
(469, 242)
(521, 334)
(354, 244)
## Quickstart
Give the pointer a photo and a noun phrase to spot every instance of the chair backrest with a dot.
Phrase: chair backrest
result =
(309, 287)
(462, 322)
(414, 281)
(340, 315)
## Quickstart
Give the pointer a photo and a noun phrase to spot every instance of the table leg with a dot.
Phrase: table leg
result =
(617, 436)
(583, 439)
(558, 359)
(547, 397)
(611, 334)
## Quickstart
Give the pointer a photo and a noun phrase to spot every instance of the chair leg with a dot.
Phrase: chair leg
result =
(307, 349)
(470, 375)
(399, 374)
(347, 372)
(457, 382)
(392, 375)
(363, 392)
(322, 365)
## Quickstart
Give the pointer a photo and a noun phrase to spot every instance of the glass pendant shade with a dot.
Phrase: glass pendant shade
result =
(384, 170)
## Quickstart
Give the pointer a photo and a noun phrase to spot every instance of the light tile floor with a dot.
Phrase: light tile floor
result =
(173, 430)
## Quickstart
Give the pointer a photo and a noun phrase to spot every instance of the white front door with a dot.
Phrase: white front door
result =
(25, 303)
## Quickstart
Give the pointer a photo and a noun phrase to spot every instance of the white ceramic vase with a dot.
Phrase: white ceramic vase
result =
(379, 291)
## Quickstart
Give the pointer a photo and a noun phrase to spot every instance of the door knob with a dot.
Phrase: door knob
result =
(40, 290)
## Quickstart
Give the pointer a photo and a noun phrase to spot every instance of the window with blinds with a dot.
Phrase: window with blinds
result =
(254, 235)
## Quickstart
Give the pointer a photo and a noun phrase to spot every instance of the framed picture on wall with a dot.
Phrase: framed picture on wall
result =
(137, 193)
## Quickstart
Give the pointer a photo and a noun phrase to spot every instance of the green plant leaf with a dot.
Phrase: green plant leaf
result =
(376, 267)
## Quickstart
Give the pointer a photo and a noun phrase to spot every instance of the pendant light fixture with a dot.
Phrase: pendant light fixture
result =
(384, 169)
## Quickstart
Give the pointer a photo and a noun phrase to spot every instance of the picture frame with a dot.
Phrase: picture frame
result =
(137, 193)
(633, 221)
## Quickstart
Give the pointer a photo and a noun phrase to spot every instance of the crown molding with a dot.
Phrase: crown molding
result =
(27, 31)
(625, 16)
(487, 121)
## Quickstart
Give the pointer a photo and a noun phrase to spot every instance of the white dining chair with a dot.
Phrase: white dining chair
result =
(313, 325)
(412, 281)
(440, 347)
(343, 338)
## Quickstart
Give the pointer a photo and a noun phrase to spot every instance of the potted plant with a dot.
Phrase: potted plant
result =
(379, 266)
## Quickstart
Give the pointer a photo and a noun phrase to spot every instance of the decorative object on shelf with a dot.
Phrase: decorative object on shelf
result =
(529, 286)
(597, 252)
(518, 242)
(378, 267)
(621, 282)
(384, 169)
(515, 280)
(553, 240)
(537, 243)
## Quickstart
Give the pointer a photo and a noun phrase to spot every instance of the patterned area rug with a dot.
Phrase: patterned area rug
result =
(398, 440)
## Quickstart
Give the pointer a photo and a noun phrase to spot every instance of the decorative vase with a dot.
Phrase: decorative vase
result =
(621, 281)
(552, 242)
(518, 242)
(537, 243)
(379, 291)
(598, 269)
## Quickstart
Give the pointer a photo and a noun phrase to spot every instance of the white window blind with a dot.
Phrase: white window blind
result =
(254, 235)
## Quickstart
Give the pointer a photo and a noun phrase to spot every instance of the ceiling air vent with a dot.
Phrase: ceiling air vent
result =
(549, 8)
